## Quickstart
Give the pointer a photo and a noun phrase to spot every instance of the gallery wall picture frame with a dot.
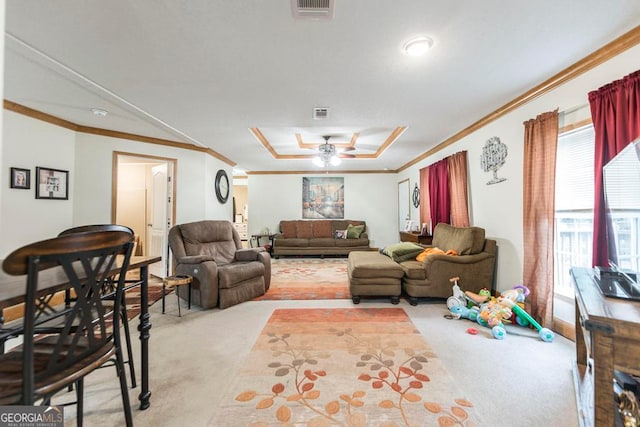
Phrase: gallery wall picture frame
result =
(20, 178)
(52, 183)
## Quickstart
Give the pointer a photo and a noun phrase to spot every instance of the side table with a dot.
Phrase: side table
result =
(423, 239)
(175, 281)
(258, 237)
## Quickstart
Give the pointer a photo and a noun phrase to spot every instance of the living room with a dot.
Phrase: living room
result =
(29, 142)
(31, 139)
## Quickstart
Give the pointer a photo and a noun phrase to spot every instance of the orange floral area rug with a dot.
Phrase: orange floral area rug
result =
(352, 367)
(308, 279)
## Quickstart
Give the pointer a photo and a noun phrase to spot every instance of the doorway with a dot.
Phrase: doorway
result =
(143, 199)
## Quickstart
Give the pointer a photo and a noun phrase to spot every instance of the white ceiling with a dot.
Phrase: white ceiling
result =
(205, 72)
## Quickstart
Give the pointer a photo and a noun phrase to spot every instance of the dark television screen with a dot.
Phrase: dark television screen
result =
(622, 195)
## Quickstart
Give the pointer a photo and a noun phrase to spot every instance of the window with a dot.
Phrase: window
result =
(574, 205)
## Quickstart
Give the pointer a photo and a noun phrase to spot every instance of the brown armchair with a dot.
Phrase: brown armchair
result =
(475, 264)
(224, 273)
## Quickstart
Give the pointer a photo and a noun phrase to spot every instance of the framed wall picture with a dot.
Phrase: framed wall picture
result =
(52, 184)
(20, 178)
(322, 198)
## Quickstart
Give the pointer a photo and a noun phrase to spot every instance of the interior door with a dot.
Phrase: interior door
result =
(158, 220)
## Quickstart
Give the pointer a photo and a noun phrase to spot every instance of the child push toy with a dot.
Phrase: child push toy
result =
(495, 312)
(545, 334)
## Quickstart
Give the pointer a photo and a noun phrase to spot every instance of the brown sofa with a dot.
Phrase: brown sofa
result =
(475, 264)
(223, 273)
(318, 237)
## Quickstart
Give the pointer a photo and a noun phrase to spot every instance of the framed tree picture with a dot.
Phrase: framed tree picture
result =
(52, 183)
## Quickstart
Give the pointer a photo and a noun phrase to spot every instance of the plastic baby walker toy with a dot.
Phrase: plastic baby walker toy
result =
(494, 312)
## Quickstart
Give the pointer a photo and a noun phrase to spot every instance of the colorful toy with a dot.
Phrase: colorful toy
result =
(494, 312)
(460, 312)
(458, 298)
(545, 334)
(518, 295)
(466, 298)
(480, 298)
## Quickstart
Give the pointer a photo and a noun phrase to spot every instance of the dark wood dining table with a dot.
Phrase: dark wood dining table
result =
(12, 292)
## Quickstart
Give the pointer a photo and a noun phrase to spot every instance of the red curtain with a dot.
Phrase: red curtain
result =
(615, 111)
(439, 200)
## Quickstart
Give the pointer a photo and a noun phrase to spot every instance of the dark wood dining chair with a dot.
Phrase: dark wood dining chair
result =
(90, 334)
(108, 291)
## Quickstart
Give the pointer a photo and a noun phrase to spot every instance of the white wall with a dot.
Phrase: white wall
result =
(28, 143)
(498, 207)
(368, 197)
(195, 172)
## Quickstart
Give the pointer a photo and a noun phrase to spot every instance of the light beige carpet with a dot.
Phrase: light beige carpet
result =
(308, 279)
(352, 367)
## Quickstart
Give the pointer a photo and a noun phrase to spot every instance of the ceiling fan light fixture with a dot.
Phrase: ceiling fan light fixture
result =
(417, 46)
(335, 160)
(318, 162)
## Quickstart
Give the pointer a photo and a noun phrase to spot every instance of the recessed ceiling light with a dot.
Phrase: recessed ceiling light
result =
(417, 46)
(99, 112)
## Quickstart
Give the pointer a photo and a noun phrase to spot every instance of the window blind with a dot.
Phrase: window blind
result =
(574, 169)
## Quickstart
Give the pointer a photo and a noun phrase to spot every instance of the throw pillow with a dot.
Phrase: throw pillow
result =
(402, 251)
(340, 234)
(354, 231)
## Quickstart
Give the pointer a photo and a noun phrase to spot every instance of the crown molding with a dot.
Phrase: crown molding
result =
(39, 115)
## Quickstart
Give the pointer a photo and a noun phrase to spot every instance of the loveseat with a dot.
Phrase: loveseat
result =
(320, 237)
(425, 270)
(474, 264)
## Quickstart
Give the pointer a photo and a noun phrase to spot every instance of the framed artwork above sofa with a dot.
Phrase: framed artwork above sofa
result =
(323, 197)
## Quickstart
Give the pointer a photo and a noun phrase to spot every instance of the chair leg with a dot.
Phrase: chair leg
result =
(178, 297)
(127, 337)
(79, 401)
(164, 288)
(124, 390)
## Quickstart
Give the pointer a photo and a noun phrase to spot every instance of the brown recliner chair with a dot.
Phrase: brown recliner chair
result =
(475, 264)
(224, 273)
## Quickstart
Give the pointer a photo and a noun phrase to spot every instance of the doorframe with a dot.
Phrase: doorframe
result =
(171, 198)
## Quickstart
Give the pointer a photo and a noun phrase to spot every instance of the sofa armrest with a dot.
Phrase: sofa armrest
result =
(456, 259)
(248, 254)
(194, 259)
(205, 280)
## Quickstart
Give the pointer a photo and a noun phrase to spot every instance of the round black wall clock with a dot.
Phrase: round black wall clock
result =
(222, 186)
(416, 196)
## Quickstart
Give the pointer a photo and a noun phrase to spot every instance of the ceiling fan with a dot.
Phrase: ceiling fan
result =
(328, 155)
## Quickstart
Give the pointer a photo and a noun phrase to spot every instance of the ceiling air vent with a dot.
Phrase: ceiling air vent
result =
(320, 113)
(312, 9)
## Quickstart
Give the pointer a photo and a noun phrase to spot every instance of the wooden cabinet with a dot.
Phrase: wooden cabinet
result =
(415, 237)
(241, 228)
(607, 340)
